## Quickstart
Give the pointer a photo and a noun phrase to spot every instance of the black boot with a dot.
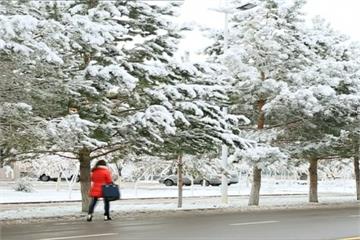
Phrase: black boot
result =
(89, 218)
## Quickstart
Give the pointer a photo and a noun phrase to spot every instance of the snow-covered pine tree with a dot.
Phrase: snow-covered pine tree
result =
(325, 96)
(198, 125)
(266, 52)
(86, 38)
(29, 92)
(184, 117)
(348, 108)
(124, 49)
(351, 86)
(112, 58)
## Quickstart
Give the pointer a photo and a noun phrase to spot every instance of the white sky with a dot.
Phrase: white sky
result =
(342, 14)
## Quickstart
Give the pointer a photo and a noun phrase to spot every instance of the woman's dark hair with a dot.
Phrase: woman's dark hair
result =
(99, 163)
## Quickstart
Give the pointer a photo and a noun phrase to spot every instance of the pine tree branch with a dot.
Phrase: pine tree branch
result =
(108, 146)
(108, 152)
(58, 153)
(332, 157)
(284, 124)
(272, 126)
(130, 110)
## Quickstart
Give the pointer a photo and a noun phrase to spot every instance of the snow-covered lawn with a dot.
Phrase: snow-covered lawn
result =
(47, 191)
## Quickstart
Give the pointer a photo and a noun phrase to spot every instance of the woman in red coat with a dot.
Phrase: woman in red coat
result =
(100, 175)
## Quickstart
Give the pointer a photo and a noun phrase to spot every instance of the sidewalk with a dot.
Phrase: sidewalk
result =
(19, 213)
(154, 198)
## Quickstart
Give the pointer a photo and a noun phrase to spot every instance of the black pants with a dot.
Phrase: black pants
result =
(93, 204)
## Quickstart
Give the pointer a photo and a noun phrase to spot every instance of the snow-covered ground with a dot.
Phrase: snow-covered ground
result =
(126, 207)
(151, 196)
(47, 191)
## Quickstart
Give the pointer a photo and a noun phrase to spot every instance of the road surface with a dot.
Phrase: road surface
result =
(334, 223)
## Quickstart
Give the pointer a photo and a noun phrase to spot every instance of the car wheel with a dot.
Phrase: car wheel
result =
(206, 182)
(44, 178)
(168, 182)
(77, 178)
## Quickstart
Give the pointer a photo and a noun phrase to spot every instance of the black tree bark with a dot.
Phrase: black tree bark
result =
(313, 189)
(255, 187)
(356, 166)
(85, 183)
(180, 180)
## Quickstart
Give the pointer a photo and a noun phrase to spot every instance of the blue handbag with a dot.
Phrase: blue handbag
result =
(111, 192)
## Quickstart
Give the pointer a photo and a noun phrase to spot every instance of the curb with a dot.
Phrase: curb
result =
(203, 211)
(151, 198)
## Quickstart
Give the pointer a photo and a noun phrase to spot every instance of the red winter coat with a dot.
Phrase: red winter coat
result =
(99, 177)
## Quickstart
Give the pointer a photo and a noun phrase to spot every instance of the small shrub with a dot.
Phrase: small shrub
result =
(23, 185)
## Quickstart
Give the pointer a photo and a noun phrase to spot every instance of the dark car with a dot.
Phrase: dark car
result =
(45, 178)
(172, 180)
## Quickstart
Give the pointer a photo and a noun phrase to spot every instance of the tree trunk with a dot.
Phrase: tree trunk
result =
(356, 166)
(255, 187)
(84, 158)
(92, 3)
(180, 181)
(84, 153)
(261, 118)
(256, 183)
(313, 192)
(260, 105)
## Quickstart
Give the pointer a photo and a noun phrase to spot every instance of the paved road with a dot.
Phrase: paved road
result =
(339, 223)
